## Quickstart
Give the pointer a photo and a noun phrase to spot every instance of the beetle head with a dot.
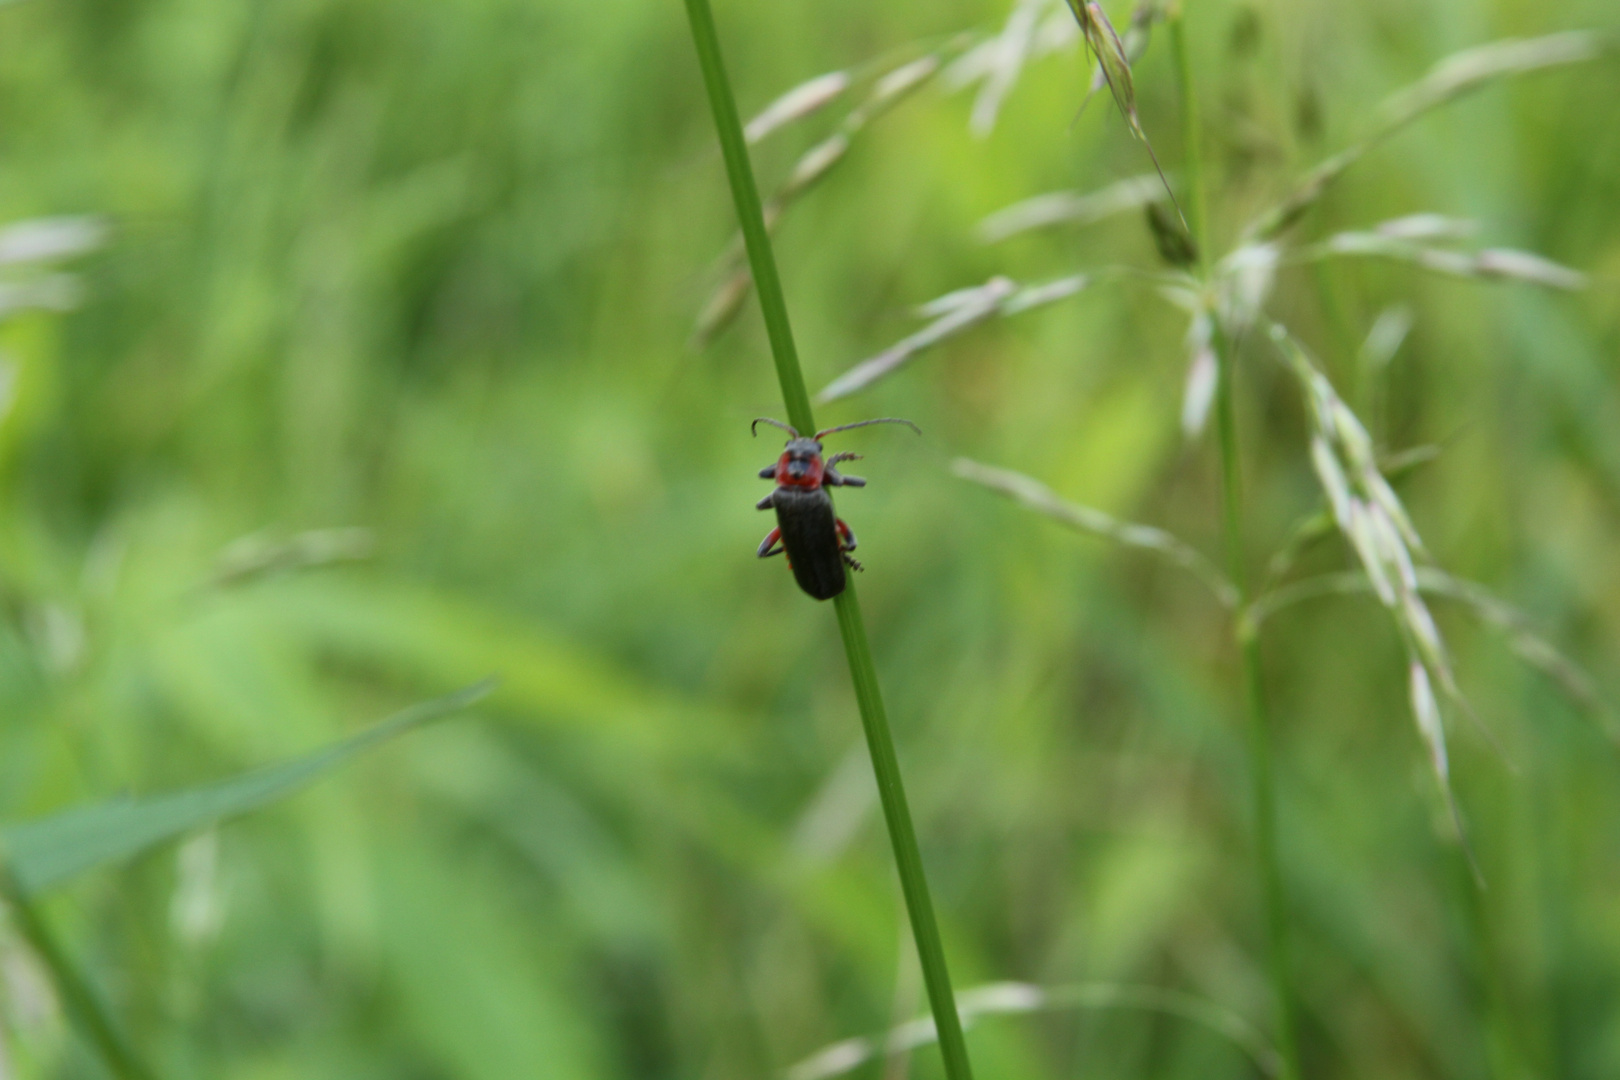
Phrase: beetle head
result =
(800, 464)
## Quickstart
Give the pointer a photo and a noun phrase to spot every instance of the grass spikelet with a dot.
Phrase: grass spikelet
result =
(971, 307)
(1199, 393)
(1375, 523)
(1055, 33)
(1468, 70)
(1333, 480)
(1070, 208)
(804, 100)
(1508, 264)
(814, 165)
(722, 306)
(1115, 68)
(1426, 710)
(1171, 238)
(40, 240)
(953, 314)
(1396, 241)
(888, 90)
(1036, 496)
(1244, 279)
(1389, 332)
(1006, 53)
(1523, 638)
(1144, 16)
(892, 88)
(256, 556)
(1050, 292)
(1429, 226)
(28, 250)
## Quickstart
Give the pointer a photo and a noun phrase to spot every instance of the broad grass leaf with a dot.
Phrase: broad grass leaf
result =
(50, 850)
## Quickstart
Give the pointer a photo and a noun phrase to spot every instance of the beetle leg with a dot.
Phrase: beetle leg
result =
(768, 472)
(765, 503)
(833, 478)
(846, 544)
(771, 545)
(846, 536)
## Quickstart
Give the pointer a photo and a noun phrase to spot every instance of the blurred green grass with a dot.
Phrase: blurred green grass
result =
(430, 269)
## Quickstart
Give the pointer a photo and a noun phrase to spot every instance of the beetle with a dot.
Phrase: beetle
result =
(817, 542)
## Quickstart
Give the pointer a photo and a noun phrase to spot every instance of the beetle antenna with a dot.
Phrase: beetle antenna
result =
(754, 427)
(863, 423)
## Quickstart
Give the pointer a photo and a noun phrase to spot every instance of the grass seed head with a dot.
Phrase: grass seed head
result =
(1389, 331)
(803, 100)
(1174, 243)
(1333, 480)
(1070, 207)
(49, 239)
(1202, 375)
(1004, 63)
(1426, 710)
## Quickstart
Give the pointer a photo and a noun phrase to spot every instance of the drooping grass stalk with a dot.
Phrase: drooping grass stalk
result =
(1245, 631)
(83, 1005)
(896, 813)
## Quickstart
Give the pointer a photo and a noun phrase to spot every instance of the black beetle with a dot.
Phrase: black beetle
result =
(817, 542)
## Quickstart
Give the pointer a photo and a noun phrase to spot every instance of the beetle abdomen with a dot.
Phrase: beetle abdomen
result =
(810, 535)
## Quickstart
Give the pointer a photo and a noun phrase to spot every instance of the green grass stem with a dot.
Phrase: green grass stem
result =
(80, 1000)
(750, 217)
(1267, 864)
(896, 812)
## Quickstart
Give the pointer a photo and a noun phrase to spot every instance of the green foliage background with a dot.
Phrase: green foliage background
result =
(430, 269)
